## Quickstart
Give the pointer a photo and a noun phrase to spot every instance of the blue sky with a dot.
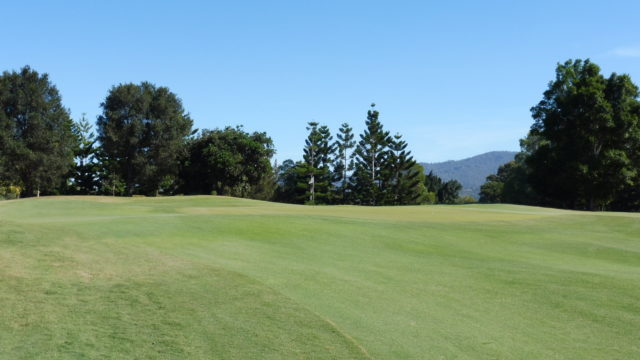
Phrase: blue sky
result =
(455, 78)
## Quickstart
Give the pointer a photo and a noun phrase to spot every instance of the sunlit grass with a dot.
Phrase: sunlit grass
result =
(214, 277)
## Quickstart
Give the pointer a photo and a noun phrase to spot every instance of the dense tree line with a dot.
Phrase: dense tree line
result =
(583, 149)
(376, 170)
(143, 144)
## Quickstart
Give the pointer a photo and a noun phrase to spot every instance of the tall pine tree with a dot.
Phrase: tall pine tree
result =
(85, 172)
(404, 181)
(313, 174)
(343, 163)
(369, 178)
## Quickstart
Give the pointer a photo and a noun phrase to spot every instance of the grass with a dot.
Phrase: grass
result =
(214, 277)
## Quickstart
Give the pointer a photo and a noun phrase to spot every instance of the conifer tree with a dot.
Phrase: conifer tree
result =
(84, 175)
(404, 181)
(369, 179)
(343, 162)
(314, 174)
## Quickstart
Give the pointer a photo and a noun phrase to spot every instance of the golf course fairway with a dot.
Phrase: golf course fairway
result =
(208, 277)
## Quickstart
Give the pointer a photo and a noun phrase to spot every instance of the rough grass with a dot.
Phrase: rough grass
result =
(214, 277)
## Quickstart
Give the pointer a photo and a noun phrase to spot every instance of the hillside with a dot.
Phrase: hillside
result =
(471, 172)
(213, 277)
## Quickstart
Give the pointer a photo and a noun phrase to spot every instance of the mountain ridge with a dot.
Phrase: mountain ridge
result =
(470, 172)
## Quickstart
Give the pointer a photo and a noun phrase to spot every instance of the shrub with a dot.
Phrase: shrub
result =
(466, 200)
(9, 192)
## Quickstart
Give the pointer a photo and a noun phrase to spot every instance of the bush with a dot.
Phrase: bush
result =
(9, 192)
(430, 198)
(466, 200)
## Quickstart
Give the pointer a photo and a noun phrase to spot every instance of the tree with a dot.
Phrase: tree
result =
(309, 170)
(466, 199)
(8, 191)
(142, 131)
(36, 139)
(287, 180)
(491, 191)
(326, 153)
(85, 171)
(229, 161)
(404, 182)
(517, 174)
(343, 162)
(109, 181)
(416, 189)
(432, 182)
(369, 181)
(586, 125)
(444, 192)
(314, 171)
(510, 184)
(449, 192)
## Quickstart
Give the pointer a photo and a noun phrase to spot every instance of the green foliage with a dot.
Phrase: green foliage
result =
(583, 148)
(36, 139)
(586, 126)
(445, 192)
(430, 198)
(466, 199)
(511, 182)
(343, 164)
(383, 172)
(369, 178)
(404, 173)
(85, 172)
(266, 186)
(229, 161)
(287, 180)
(491, 191)
(449, 192)
(314, 173)
(432, 182)
(416, 193)
(142, 131)
(109, 181)
(9, 192)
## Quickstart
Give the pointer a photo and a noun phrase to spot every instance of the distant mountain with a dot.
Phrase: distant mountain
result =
(471, 172)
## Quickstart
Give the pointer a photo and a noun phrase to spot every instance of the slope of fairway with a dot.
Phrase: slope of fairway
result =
(215, 277)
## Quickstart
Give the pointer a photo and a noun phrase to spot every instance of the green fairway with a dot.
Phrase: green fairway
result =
(214, 277)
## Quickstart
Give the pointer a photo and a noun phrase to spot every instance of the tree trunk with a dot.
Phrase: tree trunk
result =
(312, 197)
(344, 177)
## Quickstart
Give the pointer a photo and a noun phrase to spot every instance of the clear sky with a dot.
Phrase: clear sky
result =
(456, 78)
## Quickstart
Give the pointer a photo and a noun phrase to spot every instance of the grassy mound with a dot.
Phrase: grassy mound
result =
(214, 277)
